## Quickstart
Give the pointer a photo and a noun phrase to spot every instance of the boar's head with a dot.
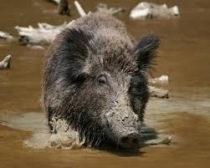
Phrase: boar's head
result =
(109, 88)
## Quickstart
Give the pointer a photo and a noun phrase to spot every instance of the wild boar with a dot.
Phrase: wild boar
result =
(95, 78)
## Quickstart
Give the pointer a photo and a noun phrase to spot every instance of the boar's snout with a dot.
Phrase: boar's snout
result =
(124, 127)
(130, 141)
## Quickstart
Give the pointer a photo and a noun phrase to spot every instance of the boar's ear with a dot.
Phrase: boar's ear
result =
(75, 50)
(145, 52)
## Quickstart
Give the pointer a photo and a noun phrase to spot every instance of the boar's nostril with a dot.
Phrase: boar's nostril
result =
(124, 139)
(130, 141)
(135, 141)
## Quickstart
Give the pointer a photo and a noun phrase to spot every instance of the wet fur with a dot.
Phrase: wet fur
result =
(97, 42)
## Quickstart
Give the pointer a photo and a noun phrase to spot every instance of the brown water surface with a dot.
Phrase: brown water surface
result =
(184, 56)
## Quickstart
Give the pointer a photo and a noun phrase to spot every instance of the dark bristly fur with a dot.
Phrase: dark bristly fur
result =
(94, 79)
(145, 52)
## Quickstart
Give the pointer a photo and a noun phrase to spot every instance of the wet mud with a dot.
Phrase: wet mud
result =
(183, 55)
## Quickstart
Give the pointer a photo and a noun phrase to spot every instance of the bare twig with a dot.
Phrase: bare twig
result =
(79, 9)
(5, 63)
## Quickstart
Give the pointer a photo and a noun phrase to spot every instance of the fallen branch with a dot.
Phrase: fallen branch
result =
(5, 63)
(157, 92)
(164, 79)
(6, 36)
(44, 34)
(80, 10)
(102, 7)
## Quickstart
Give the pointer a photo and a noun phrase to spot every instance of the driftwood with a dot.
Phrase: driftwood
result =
(145, 10)
(6, 36)
(102, 7)
(160, 80)
(5, 63)
(157, 92)
(44, 33)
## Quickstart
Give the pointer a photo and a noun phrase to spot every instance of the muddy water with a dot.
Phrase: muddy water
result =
(184, 56)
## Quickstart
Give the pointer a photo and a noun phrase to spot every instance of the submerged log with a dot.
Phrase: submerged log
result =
(5, 63)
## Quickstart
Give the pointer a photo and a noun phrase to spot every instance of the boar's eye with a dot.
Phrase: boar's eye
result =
(102, 79)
